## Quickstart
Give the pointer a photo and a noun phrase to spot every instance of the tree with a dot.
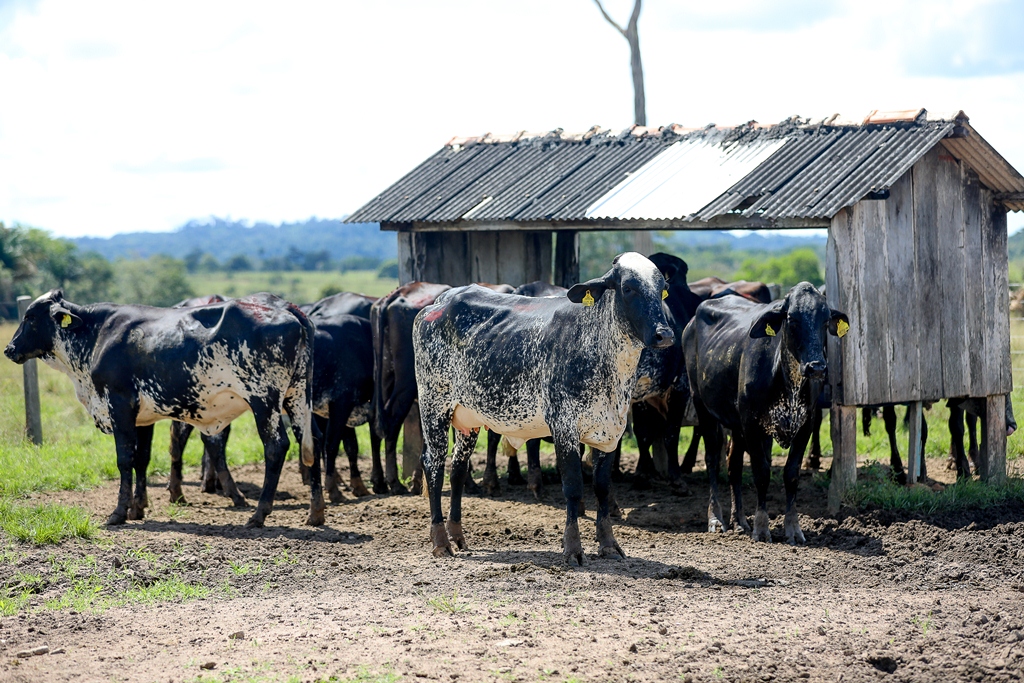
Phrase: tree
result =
(633, 38)
(799, 265)
(238, 263)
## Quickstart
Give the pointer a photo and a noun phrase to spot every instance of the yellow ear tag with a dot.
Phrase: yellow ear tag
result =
(588, 300)
(664, 294)
(65, 321)
(842, 327)
(769, 331)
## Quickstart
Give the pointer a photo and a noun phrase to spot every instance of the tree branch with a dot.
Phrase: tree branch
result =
(631, 26)
(636, 12)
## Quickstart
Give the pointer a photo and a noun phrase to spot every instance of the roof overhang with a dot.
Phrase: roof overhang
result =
(730, 222)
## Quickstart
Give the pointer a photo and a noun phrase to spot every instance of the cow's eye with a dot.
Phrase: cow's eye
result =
(626, 289)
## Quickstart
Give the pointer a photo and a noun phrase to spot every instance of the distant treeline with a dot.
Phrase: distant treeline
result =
(198, 261)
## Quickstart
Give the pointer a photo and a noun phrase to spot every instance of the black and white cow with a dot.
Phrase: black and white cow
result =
(134, 365)
(534, 367)
(757, 369)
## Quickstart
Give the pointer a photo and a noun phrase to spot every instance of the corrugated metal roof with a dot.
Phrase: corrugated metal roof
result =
(795, 169)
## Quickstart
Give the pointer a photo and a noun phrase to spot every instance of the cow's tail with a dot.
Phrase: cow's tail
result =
(302, 380)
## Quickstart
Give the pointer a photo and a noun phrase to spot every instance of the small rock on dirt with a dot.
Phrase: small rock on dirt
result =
(237, 635)
(208, 666)
(34, 652)
(510, 642)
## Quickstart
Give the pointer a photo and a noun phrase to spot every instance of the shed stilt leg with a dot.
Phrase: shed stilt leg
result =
(844, 454)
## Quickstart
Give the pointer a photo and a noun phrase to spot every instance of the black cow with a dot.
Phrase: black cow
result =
(342, 303)
(757, 369)
(394, 374)
(135, 365)
(529, 368)
(757, 292)
(972, 409)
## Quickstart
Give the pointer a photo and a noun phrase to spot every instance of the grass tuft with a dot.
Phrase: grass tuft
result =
(971, 494)
(43, 524)
(444, 603)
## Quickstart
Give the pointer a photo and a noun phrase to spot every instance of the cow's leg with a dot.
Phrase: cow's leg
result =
(735, 464)
(760, 449)
(143, 451)
(712, 434)
(534, 476)
(972, 436)
(317, 507)
(924, 442)
(391, 468)
(791, 478)
(464, 445)
(889, 415)
(125, 442)
(215, 448)
(607, 545)
(690, 459)
(435, 439)
(275, 445)
(390, 439)
(355, 481)
(567, 453)
(515, 471)
(179, 438)
(866, 415)
(490, 482)
(331, 429)
(956, 442)
(208, 477)
(350, 440)
(646, 429)
(814, 457)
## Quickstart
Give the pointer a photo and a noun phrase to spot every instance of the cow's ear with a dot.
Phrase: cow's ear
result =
(838, 324)
(587, 293)
(769, 323)
(64, 318)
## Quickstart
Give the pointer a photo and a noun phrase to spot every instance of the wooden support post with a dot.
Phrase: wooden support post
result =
(992, 458)
(914, 454)
(33, 419)
(412, 441)
(844, 454)
(567, 258)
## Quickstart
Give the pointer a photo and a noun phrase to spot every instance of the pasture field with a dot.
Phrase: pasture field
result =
(904, 585)
(298, 286)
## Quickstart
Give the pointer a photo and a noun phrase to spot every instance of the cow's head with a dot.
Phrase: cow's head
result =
(800, 321)
(46, 319)
(636, 288)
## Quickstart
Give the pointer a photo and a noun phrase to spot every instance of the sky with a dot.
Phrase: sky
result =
(125, 116)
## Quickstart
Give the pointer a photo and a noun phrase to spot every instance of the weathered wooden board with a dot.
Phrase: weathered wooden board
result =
(844, 458)
(457, 258)
(836, 299)
(992, 457)
(990, 277)
(956, 380)
(914, 415)
(1002, 299)
(927, 300)
(869, 226)
(567, 258)
(974, 282)
(406, 258)
(901, 283)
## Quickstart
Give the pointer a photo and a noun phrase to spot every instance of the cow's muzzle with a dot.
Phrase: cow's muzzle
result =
(816, 369)
(663, 337)
(13, 355)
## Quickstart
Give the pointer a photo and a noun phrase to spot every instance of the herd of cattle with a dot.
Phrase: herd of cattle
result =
(534, 362)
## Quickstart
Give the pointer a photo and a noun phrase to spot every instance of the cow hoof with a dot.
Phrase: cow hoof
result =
(611, 552)
(316, 518)
(116, 518)
(715, 526)
(614, 510)
(379, 485)
(336, 496)
(439, 539)
(471, 488)
(515, 478)
(535, 482)
(739, 522)
(443, 551)
(359, 489)
(572, 547)
(238, 500)
(178, 499)
(490, 484)
(209, 486)
(416, 488)
(255, 522)
(761, 532)
(456, 536)
(136, 512)
(398, 489)
(794, 534)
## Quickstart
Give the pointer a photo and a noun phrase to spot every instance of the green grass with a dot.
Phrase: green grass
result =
(874, 489)
(95, 593)
(298, 286)
(42, 524)
(450, 604)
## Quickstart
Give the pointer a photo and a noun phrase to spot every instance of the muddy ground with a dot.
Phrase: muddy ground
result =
(872, 596)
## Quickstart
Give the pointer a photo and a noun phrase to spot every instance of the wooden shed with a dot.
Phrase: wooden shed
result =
(914, 203)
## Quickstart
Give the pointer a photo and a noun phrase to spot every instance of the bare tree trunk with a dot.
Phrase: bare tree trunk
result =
(642, 240)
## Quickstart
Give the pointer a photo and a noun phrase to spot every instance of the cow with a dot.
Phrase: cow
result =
(134, 365)
(394, 388)
(757, 369)
(342, 303)
(704, 287)
(214, 464)
(755, 291)
(528, 368)
(972, 409)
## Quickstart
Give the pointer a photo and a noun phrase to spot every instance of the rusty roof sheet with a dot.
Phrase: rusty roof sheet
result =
(795, 169)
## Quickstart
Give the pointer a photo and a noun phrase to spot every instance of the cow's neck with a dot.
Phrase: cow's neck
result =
(617, 351)
(73, 355)
(790, 404)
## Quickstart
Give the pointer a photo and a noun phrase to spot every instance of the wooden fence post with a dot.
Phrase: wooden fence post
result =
(992, 458)
(914, 454)
(33, 420)
(844, 454)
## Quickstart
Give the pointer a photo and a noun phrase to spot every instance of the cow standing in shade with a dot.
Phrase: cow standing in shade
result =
(135, 365)
(757, 369)
(529, 368)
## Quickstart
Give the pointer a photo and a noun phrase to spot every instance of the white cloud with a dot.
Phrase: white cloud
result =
(139, 116)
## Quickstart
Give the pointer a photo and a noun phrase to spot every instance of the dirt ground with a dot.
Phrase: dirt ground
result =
(872, 596)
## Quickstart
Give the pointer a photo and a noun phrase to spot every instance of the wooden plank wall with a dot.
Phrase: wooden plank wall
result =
(923, 278)
(459, 258)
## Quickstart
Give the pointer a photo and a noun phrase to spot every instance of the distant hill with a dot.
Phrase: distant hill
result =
(684, 240)
(224, 239)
